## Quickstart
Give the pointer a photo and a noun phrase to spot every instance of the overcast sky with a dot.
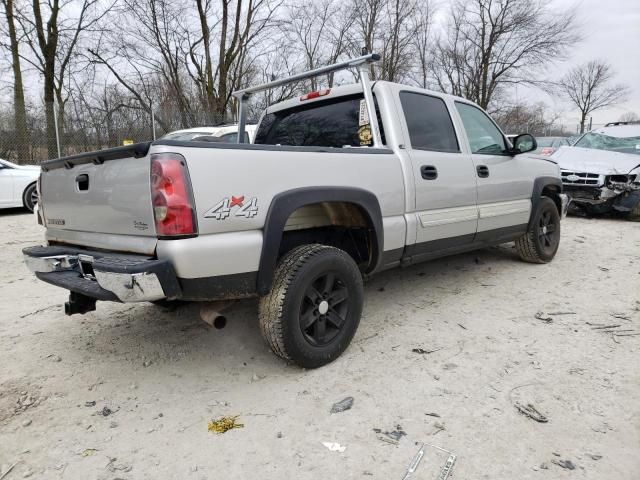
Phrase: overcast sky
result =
(611, 31)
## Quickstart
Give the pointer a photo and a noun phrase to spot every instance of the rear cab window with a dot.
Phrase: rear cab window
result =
(429, 123)
(335, 122)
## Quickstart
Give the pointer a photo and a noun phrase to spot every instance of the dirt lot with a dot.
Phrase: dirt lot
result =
(164, 375)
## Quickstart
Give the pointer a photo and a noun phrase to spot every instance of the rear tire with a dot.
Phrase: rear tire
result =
(313, 309)
(30, 197)
(540, 243)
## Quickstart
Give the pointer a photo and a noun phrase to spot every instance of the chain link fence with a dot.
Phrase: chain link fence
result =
(84, 130)
(79, 130)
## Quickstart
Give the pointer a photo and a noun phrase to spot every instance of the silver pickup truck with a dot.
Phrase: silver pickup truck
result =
(326, 195)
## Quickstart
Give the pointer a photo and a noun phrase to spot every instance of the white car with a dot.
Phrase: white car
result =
(18, 185)
(223, 133)
(601, 171)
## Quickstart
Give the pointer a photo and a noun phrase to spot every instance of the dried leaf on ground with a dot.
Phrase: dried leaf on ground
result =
(224, 424)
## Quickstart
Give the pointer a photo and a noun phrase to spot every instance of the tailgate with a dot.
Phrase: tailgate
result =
(100, 192)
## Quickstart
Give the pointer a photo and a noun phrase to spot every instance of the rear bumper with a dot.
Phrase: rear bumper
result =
(104, 276)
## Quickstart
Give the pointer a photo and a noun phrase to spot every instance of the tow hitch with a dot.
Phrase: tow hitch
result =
(79, 303)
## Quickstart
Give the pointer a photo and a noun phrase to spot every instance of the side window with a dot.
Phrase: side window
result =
(484, 137)
(429, 123)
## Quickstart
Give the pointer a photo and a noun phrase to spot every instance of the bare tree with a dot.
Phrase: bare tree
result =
(52, 34)
(397, 39)
(19, 106)
(422, 39)
(318, 33)
(490, 44)
(306, 30)
(535, 118)
(629, 117)
(589, 88)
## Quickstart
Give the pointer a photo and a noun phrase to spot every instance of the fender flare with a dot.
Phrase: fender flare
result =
(285, 203)
(539, 184)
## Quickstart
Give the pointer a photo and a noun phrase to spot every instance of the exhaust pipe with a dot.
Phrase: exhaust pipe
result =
(79, 303)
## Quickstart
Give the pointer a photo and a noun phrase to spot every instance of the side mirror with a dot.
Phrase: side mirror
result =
(524, 143)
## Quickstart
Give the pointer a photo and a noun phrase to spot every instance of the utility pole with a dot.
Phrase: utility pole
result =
(55, 124)
(153, 121)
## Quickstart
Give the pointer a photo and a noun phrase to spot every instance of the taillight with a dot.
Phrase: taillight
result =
(171, 195)
(317, 94)
(547, 151)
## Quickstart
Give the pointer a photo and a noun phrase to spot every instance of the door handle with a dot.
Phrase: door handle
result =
(429, 172)
(483, 171)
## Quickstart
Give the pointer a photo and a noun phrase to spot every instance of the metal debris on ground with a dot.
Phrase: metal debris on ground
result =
(334, 447)
(424, 352)
(444, 472)
(438, 427)
(413, 466)
(568, 464)
(543, 317)
(432, 414)
(106, 411)
(224, 424)
(92, 403)
(530, 411)
(4, 474)
(614, 330)
(392, 437)
(342, 405)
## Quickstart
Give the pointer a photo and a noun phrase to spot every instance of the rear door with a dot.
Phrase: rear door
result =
(445, 182)
(504, 182)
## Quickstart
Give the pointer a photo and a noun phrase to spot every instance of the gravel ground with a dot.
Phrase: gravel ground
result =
(163, 375)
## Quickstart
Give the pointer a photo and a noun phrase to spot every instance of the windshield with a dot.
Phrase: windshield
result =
(600, 141)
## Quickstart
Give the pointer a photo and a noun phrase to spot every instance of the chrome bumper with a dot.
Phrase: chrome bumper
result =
(565, 200)
(126, 286)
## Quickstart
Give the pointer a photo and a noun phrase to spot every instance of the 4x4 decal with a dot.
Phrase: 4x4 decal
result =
(223, 209)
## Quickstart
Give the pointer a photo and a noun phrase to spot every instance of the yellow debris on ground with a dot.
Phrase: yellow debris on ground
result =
(224, 424)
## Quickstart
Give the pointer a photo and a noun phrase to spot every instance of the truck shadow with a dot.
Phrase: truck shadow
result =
(12, 212)
(149, 335)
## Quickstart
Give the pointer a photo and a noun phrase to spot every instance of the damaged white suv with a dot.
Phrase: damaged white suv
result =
(601, 171)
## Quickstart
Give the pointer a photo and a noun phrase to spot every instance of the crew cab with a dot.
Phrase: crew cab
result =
(328, 194)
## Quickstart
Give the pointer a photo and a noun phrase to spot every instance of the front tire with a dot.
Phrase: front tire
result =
(313, 309)
(30, 197)
(540, 243)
